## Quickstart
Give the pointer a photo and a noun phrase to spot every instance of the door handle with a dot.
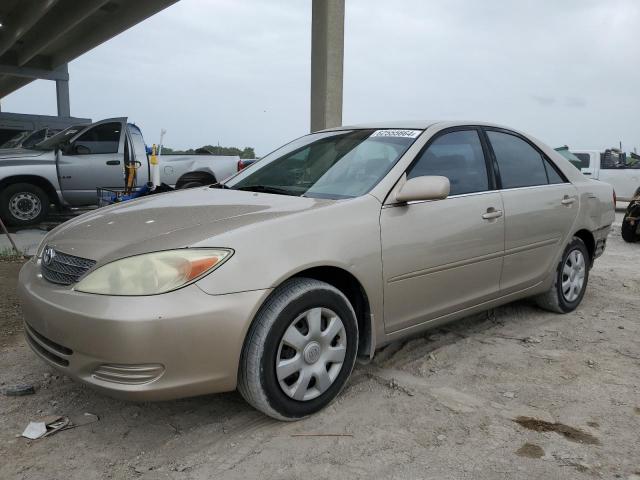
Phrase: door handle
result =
(567, 200)
(492, 213)
(113, 162)
(586, 173)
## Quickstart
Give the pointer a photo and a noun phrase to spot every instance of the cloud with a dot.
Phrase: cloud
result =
(575, 102)
(544, 101)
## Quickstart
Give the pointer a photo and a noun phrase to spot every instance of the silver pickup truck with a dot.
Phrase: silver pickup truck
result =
(67, 168)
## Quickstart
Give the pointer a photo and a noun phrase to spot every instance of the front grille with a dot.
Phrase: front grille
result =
(49, 349)
(63, 268)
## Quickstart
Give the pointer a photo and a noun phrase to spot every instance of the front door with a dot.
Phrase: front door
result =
(443, 256)
(540, 206)
(94, 158)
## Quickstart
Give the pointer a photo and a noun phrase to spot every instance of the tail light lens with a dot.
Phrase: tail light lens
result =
(241, 165)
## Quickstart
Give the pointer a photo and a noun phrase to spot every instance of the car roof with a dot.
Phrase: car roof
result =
(413, 124)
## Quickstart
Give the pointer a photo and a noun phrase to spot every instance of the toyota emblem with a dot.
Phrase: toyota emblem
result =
(48, 255)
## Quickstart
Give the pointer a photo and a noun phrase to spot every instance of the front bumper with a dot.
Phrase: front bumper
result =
(174, 345)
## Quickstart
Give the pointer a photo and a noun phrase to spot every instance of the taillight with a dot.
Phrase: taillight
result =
(241, 165)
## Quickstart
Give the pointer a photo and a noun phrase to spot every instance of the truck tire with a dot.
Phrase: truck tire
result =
(570, 281)
(23, 204)
(299, 351)
(629, 232)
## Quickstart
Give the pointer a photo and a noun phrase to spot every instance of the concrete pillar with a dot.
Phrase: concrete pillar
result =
(327, 59)
(62, 98)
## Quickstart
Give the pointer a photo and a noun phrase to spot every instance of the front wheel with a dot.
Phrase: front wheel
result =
(570, 283)
(23, 204)
(300, 350)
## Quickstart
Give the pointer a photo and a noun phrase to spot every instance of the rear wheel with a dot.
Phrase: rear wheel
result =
(299, 351)
(628, 232)
(23, 204)
(570, 283)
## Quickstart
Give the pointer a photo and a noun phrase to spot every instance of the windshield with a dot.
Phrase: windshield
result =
(59, 138)
(338, 164)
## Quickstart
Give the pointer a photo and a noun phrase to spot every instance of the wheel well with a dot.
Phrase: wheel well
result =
(205, 178)
(587, 237)
(353, 290)
(41, 182)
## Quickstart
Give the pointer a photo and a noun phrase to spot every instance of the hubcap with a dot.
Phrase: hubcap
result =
(573, 273)
(311, 354)
(25, 206)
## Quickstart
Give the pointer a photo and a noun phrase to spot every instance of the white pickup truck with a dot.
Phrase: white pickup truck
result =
(67, 168)
(612, 167)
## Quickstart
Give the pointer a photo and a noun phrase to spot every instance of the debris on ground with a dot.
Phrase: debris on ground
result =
(45, 427)
(18, 390)
(55, 423)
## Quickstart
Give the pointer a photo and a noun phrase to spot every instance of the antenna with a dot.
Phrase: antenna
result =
(162, 132)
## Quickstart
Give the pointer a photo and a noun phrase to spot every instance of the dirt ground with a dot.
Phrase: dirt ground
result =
(516, 393)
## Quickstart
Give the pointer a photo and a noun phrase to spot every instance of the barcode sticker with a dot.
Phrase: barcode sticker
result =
(397, 133)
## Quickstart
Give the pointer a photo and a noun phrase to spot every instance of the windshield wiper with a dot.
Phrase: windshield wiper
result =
(267, 189)
(220, 185)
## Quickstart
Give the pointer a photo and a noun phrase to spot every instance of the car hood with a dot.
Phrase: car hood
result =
(173, 220)
(8, 154)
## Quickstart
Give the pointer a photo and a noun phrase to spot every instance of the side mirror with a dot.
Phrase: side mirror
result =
(81, 149)
(424, 188)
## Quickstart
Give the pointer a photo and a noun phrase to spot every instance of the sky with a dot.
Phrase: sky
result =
(237, 72)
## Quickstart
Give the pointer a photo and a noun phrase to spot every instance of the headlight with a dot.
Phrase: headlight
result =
(153, 273)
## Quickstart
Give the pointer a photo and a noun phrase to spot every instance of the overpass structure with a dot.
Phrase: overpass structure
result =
(38, 38)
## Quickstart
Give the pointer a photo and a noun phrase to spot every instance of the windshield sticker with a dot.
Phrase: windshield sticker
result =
(397, 133)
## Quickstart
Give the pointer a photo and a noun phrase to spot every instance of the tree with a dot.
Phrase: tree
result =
(246, 152)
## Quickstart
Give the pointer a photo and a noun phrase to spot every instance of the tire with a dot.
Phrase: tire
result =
(23, 204)
(295, 305)
(628, 232)
(557, 299)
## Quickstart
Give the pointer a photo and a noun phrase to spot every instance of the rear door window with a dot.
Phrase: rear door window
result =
(519, 164)
(458, 156)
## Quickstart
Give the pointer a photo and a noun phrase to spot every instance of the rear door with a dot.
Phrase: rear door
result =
(93, 158)
(442, 256)
(540, 206)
